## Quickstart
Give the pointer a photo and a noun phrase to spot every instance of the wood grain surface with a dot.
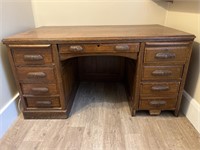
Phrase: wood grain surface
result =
(99, 33)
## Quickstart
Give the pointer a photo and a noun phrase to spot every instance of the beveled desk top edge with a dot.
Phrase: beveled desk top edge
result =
(89, 34)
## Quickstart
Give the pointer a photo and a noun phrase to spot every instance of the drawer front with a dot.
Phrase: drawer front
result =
(159, 88)
(158, 104)
(39, 89)
(101, 48)
(32, 56)
(36, 74)
(165, 54)
(162, 72)
(42, 102)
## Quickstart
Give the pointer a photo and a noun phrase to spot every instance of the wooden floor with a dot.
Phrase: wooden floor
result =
(100, 120)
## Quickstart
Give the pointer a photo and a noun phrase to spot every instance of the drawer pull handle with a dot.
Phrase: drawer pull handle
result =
(160, 88)
(33, 57)
(122, 47)
(161, 73)
(165, 55)
(76, 48)
(40, 90)
(36, 75)
(157, 103)
(44, 102)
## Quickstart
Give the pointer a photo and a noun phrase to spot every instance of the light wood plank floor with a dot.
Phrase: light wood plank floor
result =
(100, 120)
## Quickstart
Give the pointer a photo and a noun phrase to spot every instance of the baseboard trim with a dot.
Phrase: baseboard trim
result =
(8, 114)
(191, 109)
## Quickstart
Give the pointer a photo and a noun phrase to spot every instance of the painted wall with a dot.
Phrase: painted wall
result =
(98, 12)
(185, 15)
(15, 16)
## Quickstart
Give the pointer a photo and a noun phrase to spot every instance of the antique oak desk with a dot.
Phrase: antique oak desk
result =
(48, 64)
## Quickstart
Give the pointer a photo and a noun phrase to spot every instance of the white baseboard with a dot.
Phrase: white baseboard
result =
(191, 109)
(8, 114)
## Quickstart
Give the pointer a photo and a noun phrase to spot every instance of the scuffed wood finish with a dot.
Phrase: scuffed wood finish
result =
(100, 48)
(32, 56)
(161, 88)
(166, 54)
(70, 81)
(164, 62)
(162, 72)
(73, 34)
(100, 120)
(36, 74)
(39, 89)
(42, 102)
(50, 62)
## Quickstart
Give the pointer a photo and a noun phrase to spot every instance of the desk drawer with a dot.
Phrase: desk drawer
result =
(36, 74)
(99, 48)
(39, 89)
(29, 56)
(162, 72)
(159, 88)
(158, 103)
(165, 54)
(42, 102)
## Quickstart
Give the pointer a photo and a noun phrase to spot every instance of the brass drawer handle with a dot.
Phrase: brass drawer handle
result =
(157, 103)
(76, 48)
(160, 88)
(40, 90)
(122, 47)
(161, 72)
(36, 75)
(44, 102)
(165, 55)
(33, 57)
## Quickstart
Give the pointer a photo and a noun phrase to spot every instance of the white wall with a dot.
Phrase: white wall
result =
(185, 15)
(98, 12)
(15, 16)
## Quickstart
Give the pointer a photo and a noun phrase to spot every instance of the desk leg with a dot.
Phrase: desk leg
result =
(133, 113)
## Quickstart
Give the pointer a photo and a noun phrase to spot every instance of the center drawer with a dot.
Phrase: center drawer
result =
(99, 48)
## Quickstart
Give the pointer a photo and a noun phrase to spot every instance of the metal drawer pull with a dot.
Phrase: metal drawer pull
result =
(160, 88)
(40, 90)
(122, 47)
(161, 73)
(33, 57)
(165, 55)
(76, 48)
(157, 103)
(36, 75)
(44, 102)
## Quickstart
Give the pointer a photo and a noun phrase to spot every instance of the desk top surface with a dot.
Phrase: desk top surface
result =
(59, 34)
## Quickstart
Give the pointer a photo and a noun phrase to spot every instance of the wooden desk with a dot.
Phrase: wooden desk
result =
(48, 65)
